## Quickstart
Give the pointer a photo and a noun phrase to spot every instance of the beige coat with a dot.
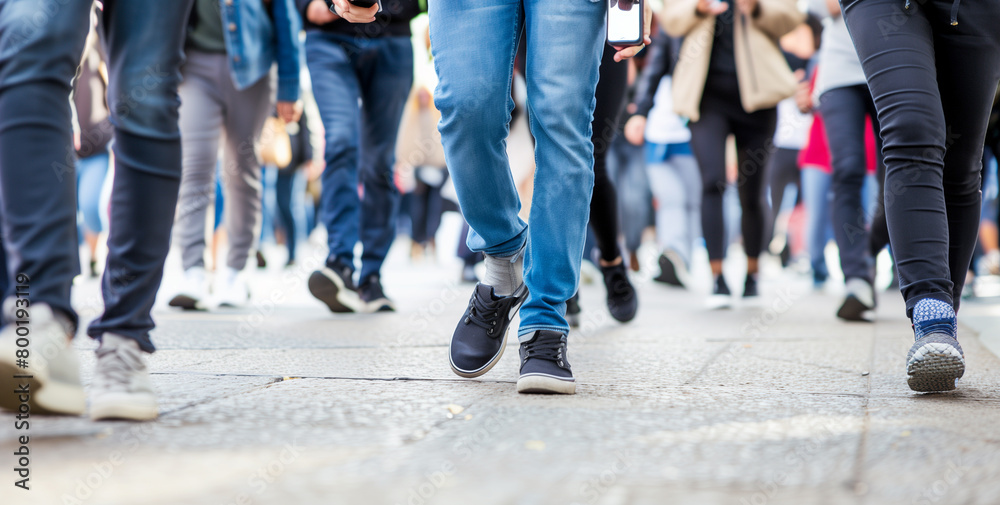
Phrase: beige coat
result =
(761, 68)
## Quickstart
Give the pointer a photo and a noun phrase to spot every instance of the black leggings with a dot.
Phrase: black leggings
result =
(604, 203)
(933, 77)
(722, 114)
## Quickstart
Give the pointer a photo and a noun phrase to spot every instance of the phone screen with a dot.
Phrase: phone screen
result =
(624, 20)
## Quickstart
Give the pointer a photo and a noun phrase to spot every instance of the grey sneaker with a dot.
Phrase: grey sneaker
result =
(44, 372)
(121, 387)
(936, 361)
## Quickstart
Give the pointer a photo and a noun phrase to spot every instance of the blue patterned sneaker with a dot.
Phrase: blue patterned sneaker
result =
(935, 361)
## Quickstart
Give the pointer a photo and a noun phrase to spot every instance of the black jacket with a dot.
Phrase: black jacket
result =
(393, 21)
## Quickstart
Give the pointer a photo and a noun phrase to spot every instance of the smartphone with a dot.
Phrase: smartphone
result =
(625, 22)
(367, 3)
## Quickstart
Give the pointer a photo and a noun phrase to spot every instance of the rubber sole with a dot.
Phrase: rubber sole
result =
(381, 305)
(327, 287)
(934, 367)
(232, 304)
(668, 276)
(719, 302)
(123, 406)
(853, 310)
(545, 385)
(47, 397)
(486, 368)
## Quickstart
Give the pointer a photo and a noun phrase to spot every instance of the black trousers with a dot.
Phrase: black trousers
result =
(610, 96)
(933, 83)
(844, 110)
(782, 170)
(722, 114)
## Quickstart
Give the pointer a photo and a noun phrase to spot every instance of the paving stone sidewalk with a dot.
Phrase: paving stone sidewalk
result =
(284, 403)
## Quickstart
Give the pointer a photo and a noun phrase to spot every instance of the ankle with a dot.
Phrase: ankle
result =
(505, 274)
(613, 263)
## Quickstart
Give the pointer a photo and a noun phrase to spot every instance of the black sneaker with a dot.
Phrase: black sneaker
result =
(859, 304)
(371, 293)
(750, 287)
(544, 368)
(721, 297)
(622, 301)
(672, 269)
(481, 335)
(334, 286)
(261, 260)
(786, 255)
(573, 311)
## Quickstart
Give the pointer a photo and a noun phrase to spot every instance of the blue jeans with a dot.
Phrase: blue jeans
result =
(90, 172)
(627, 167)
(37, 63)
(819, 225)
(379, 72)
(284, 197)
(474, 43)
(675, 181)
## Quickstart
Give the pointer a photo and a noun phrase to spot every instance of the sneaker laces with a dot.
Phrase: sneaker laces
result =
(548, 349)
(483, 313)
(934, 316)
(947, 326)
(117, 364)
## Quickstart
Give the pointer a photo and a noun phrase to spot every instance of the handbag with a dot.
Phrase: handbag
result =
(275, 145)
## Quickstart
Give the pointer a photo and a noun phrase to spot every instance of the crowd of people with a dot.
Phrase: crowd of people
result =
(739, 130)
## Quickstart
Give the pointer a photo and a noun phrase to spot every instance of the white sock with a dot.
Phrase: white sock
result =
(504, 274)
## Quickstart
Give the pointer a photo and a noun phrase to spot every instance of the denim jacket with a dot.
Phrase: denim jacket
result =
(256, 38)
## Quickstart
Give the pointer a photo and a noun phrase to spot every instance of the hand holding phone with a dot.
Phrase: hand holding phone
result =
(356, 13)
(625, 22)
(628, 28)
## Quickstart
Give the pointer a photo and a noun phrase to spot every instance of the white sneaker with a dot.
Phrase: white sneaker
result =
(194, 291)
(121, 387)
(230, 289)
(47, 377)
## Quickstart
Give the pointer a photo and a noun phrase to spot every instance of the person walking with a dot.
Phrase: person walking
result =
(371, 64)
(730, 76)
(144, 43)
(474, 98)
(226, 92)
(92, 143)
(288, 192)
(845, 102)
(620, 296)
(932, 68)
(672, 170)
